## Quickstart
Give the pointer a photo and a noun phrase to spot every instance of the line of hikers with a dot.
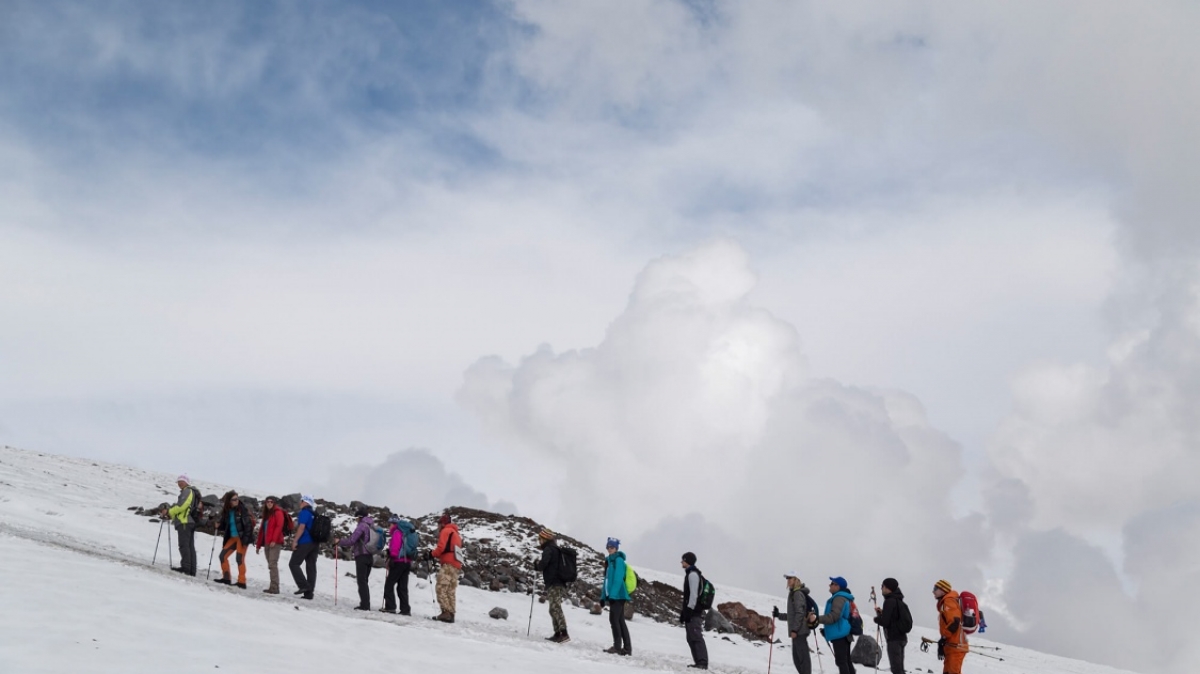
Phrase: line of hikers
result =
(839, 623)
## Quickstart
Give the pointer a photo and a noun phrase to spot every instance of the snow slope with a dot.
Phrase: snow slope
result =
(79, 593)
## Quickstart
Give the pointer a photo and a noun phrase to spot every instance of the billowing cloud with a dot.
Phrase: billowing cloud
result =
(694, 417)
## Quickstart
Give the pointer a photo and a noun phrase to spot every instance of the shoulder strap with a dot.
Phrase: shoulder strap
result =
(449, 543)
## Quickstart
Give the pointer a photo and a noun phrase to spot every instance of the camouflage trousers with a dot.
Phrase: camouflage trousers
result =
(555, 595)
(447, 587)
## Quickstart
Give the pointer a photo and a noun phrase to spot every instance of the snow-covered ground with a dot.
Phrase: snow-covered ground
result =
(79, 594)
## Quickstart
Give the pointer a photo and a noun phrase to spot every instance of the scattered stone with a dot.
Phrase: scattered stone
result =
(499, 613)
(715, 621)
(596, 609)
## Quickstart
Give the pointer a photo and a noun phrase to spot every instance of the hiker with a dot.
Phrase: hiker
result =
(305, 550)
(691, 616)
(402, 538)
(896, 622)
(236, 525)
(800, 619)
(182, 516)
(836, 620)
(446, 553)
(364, 557)
(952, 647)
(270, 536)
(616, 595)
(550, 565)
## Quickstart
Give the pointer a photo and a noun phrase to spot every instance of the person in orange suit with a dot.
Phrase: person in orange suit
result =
(952, 647)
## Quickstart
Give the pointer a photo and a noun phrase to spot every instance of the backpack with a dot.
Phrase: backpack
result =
(856, 621)
(321, 528)
(289, 525)
(568, 569)
(376, 540)
(904, 621)
(707, 591)
(972, 616)
(810, 606)
(196, 509)
(631, 580)
(411, 539)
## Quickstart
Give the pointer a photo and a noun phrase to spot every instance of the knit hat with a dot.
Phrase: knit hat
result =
(444, 520)
(891, 584)
(395, 519)
(614, 543)
(545, 534)
(184, 479)
(690, 558)
(943, 585)
(362, 512)
(839, 581)
(307, 498)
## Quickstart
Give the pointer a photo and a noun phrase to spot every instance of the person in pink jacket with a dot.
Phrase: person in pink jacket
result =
(402, 541)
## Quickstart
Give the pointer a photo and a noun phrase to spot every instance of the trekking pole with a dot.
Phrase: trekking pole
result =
(335, 574)
(532, 594)
(157, 541)
(878, 627)
(208, 574)
(170, 561)
(771, 646)
(819, 660)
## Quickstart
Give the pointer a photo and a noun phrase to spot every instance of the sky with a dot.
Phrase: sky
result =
(864, 290)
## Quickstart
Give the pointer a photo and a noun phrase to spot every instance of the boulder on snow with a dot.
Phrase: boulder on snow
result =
(751, 621)
(499, 613)
(866, 652)
(211, 500)
(290, 503)
(596, 609)
(715, 621)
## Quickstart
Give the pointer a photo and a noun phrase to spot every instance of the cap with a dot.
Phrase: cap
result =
(791, 574)
(307, 498)
(839, 581)
(690, 558)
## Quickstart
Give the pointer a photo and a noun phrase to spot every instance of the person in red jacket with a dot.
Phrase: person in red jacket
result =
(270, 536)
(952, 647)
(446, 552)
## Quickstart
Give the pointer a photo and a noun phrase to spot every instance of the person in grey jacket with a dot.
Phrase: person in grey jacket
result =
(801, 617)
(364, 558)
(691, 616)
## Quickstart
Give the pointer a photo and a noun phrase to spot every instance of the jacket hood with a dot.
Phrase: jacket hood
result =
(897, 594)
(844, 593)
(368, 520)
(616, 554)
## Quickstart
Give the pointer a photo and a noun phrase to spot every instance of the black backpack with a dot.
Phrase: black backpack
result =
(707, 591)
(322, 527)
(568, 570)
(196, 513)
(904, 621)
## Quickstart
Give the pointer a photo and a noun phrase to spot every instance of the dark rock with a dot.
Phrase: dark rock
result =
(596, 609)
(715, 621)
(751, 623)
(211, 500)
(290, 503)
(499, 613)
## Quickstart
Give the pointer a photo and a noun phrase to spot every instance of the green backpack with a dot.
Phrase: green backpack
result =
(631, 580)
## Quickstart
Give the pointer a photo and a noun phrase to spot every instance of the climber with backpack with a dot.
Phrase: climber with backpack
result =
(838, 624)
(952, 647)
(896, 621)
(185, 515)
(272, 534)
(402, 550)
(236, 526)
(306, 549)
(697, 598)
(801, 616)
(446, 552)
(619, 584)
(362, 543)
(551, 564)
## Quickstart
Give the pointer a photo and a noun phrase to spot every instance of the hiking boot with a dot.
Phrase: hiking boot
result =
(301, 591)
(240, 585)
(444, 616)
(406, 613)
(178, 569)
(697, 666)
(307, 595)
(562, 638)
(270, 591)
(627, 651)
(362, 608)
(614, 650)
(554, 637)
(223, 581)
(387, 610)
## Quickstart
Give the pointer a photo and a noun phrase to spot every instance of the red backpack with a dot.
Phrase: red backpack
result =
(972, 617)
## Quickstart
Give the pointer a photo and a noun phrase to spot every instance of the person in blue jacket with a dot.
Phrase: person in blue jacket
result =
(837, 623)
(616, 594)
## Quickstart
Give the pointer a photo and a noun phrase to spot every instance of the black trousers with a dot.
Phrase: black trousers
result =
(362, 568)
(695, 639)
(800, 655)
(306, 554)
(841, 655)
(895, 651)
(620, 630)
(397, 580)
(187, 547)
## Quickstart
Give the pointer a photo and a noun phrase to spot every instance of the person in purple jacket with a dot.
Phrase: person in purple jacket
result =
(401, 538)
(359, 544)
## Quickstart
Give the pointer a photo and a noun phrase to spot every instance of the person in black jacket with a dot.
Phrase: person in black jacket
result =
(556, 588)
(236, 525)
(896, 621)
(692, 615)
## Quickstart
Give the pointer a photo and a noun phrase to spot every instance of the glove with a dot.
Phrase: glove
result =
(775, 612)
(603, 603)
(953, 627)
(942, 648)
(686, 615)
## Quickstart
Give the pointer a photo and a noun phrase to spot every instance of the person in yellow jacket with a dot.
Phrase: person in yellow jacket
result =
(181, 516)
(952, 647)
